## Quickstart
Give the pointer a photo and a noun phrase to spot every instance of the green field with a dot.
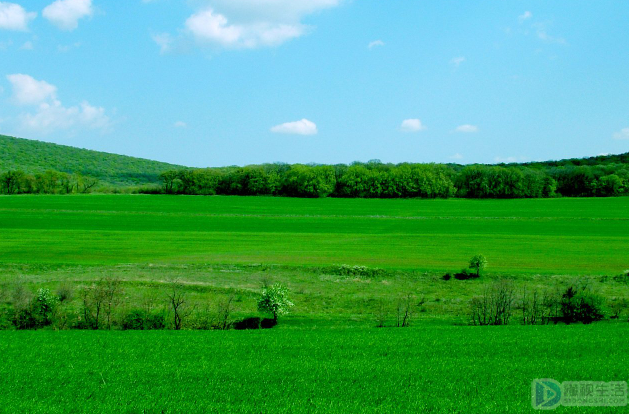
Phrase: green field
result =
(430, 370)
(548, 236)
(327, 355)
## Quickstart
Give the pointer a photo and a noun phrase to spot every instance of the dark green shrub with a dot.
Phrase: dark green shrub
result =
(139, 319)
(134, 320)
(580, 304)
(248, 323)
(465, 274)
(268, 323)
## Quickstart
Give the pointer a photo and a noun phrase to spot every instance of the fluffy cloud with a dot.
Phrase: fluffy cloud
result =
(303, 127)
(14, 17)
(247, 24)
(376, 43)
(50, 114)
(180, 124)
(65, 14)
(622, 134)
(209, 26)
(28, 91)
(467, 128)
(412, 125)
(457, 156)
(53, 116)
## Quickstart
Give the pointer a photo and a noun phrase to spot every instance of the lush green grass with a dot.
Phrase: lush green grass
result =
(326, 356)
(36, 156)
(427, 370)
(547, 236)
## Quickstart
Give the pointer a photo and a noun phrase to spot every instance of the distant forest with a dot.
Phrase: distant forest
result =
(588, 177)
(28, 166)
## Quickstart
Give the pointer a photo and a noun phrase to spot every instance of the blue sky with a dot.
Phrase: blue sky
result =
(236, 82)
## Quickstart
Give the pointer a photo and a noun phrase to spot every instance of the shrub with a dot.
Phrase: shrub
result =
(447, 276)
(44, 306)
(248, 323)
(268, 323)
(465, 274)
(139, 319)
(65, 292)
(580, 304)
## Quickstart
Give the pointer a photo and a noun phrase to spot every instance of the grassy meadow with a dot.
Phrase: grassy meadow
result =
(326, 355)
(532, 236)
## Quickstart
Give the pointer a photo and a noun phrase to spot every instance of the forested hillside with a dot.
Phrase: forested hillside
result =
(28, 166)
(32, 157)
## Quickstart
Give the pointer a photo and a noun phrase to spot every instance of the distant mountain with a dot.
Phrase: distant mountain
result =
(35, 156)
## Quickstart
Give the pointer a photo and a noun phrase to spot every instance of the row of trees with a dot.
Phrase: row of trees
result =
(49, 182)
(576, 303)
(102, 305)
(377, 180)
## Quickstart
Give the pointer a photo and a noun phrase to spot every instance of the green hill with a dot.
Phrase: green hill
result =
(35, 156)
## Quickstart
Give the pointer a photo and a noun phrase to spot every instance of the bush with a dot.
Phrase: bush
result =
(139, 319)
(268, 323)
(248, 323)
(447, 276)
(134, 320)
(580, 304)
(465, 274)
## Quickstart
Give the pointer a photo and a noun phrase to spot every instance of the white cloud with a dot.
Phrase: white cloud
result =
(211, 27)
(50, 114)
(303, 127)
(457, 156)
(180, 124)
(376, 43)
(28, 91)
(525, 16)
(14, 17)
(412, 125)
(65, 14)
(466, 128)
(53, 116)
(247, 24)
(622, 134)
(457, 61)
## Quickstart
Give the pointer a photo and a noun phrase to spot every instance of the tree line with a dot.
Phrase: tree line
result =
(378, 180)
(49, 182)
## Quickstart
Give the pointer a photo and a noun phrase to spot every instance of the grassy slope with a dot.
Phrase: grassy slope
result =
(35, 156)
(433, 369)
(567, 236)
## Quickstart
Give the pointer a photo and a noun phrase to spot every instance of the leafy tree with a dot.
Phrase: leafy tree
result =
(275, 300)
(478, 263)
